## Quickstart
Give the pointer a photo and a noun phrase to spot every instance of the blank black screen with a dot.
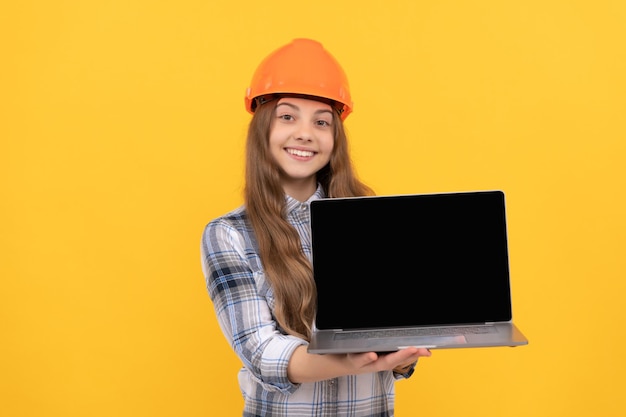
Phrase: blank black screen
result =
(411, 260)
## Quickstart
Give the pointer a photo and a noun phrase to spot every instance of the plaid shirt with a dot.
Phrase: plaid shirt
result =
(244, 304)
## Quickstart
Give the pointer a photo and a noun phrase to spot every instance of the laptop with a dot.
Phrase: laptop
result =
(425, 270)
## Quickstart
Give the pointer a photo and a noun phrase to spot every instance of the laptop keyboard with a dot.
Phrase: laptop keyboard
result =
(426, 331)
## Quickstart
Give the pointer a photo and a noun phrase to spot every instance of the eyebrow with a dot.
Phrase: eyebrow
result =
(293, 106)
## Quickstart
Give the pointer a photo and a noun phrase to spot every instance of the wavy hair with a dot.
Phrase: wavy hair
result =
(287, 268)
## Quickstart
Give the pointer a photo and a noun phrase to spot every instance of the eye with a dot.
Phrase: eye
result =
(323, 123)
(286, 117)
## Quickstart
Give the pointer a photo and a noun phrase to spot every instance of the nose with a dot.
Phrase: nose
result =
(304, 132)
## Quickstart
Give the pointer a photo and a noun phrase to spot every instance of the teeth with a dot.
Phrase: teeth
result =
(299, 153)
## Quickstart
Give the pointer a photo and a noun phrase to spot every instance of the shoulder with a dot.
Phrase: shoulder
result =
(230, 229)
(236, 219)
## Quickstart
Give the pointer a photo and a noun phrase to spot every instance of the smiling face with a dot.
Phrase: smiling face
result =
(301, 142)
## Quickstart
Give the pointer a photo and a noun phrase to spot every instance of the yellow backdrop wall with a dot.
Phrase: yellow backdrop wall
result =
(122, 129)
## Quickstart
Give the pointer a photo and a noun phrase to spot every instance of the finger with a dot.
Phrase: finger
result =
(417, 351)
(408, 355)
(424, 352)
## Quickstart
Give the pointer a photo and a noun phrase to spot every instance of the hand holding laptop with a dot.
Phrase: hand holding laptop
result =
(306, 367)
(400, 359)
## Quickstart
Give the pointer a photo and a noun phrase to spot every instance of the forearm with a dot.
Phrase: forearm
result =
(305, 367)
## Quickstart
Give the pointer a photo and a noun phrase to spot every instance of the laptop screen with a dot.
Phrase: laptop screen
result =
(405, 260)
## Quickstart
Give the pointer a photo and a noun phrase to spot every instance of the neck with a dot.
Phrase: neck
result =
(300, 190)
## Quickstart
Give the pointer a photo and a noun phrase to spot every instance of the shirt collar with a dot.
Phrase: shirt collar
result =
(292, 203)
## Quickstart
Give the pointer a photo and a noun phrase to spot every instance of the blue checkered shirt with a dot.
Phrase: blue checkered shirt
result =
(244, 304)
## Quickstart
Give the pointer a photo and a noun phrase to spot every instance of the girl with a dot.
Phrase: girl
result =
(257, 258)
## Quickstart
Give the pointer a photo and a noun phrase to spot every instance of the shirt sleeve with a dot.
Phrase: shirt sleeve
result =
(243, 313)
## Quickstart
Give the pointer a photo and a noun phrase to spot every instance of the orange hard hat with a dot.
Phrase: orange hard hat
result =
(302, 67)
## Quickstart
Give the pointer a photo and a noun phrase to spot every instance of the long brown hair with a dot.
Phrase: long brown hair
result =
(287, 268)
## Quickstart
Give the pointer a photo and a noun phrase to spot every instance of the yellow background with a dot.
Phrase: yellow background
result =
(122, 130)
